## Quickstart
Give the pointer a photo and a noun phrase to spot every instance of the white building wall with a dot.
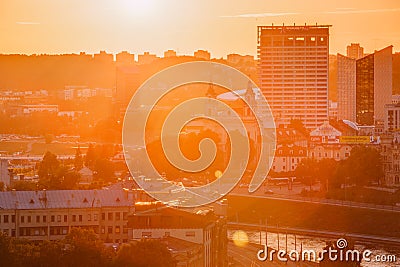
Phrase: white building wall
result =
(392, 117)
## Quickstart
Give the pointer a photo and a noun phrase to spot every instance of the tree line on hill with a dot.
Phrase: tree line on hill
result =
(104, 129)
(353, 179)
(51, 72)
(363, 167)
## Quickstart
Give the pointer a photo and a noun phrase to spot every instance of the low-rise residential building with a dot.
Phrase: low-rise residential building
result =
(288, 157)
(83, 92)
(50, 215)
(201, 227)
(330, 151)
(86, 176)
(27, 110)
(291, 136)
(70, 113)
(16, 168)
(325, 133)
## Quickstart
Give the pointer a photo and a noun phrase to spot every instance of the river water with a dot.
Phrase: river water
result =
(298, 242)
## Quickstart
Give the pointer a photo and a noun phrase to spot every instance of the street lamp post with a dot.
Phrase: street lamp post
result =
(16, 219)
(277, 229)
(266, 231)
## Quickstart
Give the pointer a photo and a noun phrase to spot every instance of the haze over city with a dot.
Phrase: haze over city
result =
(221, 27)
(153, 133)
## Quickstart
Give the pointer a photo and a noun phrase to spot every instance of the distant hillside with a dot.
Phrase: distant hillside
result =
(52, 72)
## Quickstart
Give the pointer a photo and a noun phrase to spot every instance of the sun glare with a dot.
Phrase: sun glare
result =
(240, 238)
(139, 7)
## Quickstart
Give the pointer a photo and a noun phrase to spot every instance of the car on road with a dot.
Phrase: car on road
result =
(268, 192)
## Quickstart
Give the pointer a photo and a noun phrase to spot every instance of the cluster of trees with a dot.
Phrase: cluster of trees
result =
(54, 175)
(189, 145)
(63, 175)
(97, 159)
(364, 166)
(82, 248)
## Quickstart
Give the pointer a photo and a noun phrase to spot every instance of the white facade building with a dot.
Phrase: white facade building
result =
(392, 117)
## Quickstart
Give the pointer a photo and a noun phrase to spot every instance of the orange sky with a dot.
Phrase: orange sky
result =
(220, 26)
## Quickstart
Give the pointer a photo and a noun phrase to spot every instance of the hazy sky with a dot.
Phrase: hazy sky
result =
(220, 26)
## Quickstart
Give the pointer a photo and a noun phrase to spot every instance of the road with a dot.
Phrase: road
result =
(282, 193)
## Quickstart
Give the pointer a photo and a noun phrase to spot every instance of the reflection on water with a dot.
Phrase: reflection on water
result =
(290, 242)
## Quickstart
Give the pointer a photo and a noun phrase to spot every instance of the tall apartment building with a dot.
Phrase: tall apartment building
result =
(202, 54)
(127, 81)
(346, 88)
(365, 87)
(355, 51)
(170, 53)
(124, 58)
(396, 73)
(103, 57)
(146, 58)
(293, 72)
